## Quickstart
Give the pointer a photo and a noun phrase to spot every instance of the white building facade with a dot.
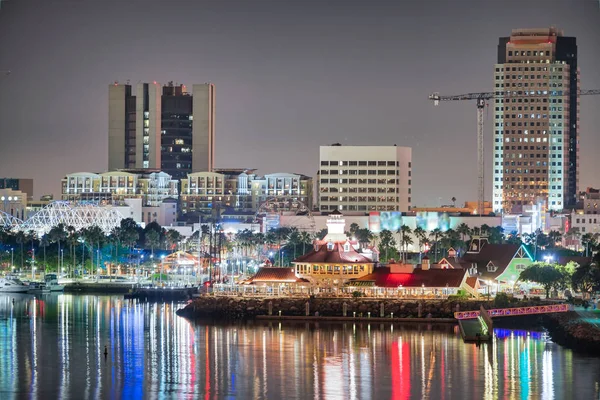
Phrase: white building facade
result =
(364, 178)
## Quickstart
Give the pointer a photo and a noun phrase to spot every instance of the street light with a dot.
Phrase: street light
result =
(548, 258)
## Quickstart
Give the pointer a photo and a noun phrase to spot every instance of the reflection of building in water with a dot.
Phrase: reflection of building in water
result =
(54, 348)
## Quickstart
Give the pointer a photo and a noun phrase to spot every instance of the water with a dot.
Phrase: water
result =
(54, 348)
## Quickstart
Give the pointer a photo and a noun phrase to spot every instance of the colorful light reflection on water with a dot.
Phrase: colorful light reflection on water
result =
(54, 347)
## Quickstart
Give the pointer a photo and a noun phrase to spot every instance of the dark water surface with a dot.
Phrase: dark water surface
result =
(53, 347)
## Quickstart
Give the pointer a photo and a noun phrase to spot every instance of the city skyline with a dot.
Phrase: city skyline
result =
(281, 95)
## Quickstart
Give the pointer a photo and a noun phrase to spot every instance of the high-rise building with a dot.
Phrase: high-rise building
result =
(154, 128)
(536, 129)
(365, 178)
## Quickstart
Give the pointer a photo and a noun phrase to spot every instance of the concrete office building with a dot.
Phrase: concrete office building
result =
(154, 127)
(536, 129)
(364, 178)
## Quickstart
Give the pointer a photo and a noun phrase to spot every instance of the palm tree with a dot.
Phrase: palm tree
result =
(173, 238)
(294, 240)
(45, 242)
(386, 242)
(21, 238)
(453, 201)
(72, 239)
(421, 236)
(554, 236)
(306, 239)
(405, 239)
(463, 230)
(152, 240)
(435, 236)
(588, 240)
(58, 234)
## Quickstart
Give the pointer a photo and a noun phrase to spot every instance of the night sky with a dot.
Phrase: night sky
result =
(290, 76)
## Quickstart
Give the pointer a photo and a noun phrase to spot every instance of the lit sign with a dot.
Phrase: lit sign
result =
(433, 220)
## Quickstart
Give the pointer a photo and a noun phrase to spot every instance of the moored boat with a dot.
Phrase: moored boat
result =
(12, 285)
(51, 281)
(38, 288)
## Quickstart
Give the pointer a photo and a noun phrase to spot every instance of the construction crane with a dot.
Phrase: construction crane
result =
(480, 101)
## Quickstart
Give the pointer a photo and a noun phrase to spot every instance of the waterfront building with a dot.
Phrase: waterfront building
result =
(335, 259)
(152, 186)
(23, 185)
(536, 131)
(276, 277)
(364, 178)
(419, 280)
(161, 127)
(241, 190)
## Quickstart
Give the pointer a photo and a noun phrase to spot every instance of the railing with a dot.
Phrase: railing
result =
(511, 312)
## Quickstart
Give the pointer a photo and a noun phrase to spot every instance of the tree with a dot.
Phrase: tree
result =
(152, 240)
(553, 238)
(364, 236)
(21, 238)
(451, 238)
(589, 241)
(45, 242)
(464, 231)
(72, 239)
(545, 275)
(321, 234)
(173, 238)
(353, 228)
(57, 235)
(453, 201)
(421, 236)
(386, 243)
(435, 236)
(405, 239)
(495, 235)
(305, 239)
(585, 279)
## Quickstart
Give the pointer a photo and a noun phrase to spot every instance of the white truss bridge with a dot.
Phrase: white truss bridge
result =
(77, 215)
(8, 221)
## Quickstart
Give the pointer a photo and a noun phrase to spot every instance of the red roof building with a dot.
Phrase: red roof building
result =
(335, 259)
(274, 275)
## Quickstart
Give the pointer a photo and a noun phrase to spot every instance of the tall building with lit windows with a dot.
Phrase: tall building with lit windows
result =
(364, 178)
(161, 127)
(536, 121)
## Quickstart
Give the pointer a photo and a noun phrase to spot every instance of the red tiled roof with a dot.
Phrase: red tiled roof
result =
(335, 256)
(275, 274)
(429, 278)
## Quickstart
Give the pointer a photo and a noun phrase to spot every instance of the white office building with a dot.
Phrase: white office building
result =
(364, 178)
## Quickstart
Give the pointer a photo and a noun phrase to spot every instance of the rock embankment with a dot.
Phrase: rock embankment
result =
(240, 308)
(569, 330)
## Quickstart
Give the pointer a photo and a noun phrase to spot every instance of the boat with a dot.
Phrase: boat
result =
(38, 288)
(51, 281)
(12, 285)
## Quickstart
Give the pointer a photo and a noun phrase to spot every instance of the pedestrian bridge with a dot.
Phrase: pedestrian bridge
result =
(513, 312)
